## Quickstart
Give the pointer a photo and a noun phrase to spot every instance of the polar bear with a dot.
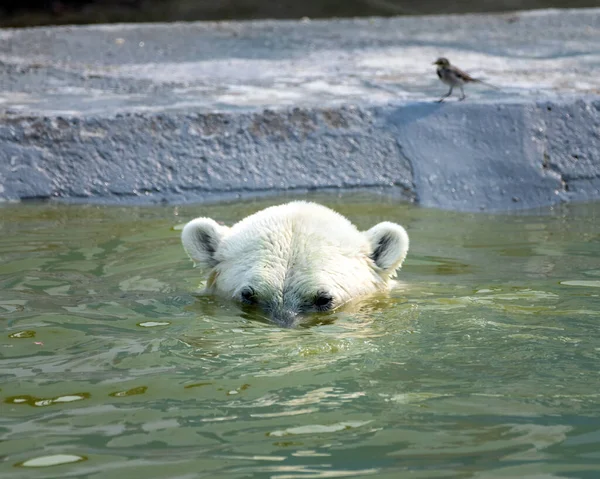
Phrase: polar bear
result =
(295, 258)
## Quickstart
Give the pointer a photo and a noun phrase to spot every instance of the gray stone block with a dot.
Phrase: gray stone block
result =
(205, 111)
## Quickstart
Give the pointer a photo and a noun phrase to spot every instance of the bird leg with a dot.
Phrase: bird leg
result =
(463, 94)
(446, 95)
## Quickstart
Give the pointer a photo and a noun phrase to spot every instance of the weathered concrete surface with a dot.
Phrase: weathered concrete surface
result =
(186, 112)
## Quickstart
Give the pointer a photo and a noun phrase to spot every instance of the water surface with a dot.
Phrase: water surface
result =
(484, 363)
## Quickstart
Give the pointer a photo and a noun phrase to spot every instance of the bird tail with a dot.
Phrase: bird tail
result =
(488, 84)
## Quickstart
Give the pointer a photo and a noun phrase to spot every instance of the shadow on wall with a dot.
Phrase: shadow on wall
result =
(20, 13)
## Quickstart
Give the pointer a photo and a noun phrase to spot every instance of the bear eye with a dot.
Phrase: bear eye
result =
(248, 295)
(323, 301)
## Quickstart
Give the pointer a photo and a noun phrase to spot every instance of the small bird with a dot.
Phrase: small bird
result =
(453, 76)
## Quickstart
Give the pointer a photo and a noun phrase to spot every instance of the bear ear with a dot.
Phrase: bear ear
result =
(201, 238)
(389, 245)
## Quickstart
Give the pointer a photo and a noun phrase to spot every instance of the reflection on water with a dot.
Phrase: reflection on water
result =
(482, 363)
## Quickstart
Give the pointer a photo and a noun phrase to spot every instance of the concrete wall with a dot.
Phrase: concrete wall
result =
(204, 111)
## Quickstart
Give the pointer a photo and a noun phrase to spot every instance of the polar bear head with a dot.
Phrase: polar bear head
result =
(295, 258)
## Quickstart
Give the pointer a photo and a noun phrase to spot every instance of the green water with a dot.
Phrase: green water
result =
(485, 364)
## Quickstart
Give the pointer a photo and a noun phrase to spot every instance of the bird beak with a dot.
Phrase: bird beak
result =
(434, 63)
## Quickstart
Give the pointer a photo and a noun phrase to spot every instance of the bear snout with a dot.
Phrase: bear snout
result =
(284, 317)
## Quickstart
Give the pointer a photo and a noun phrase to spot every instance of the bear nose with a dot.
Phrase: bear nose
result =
(285, 318)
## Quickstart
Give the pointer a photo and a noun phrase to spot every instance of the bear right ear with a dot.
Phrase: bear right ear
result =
(389, 245)
(201, 238)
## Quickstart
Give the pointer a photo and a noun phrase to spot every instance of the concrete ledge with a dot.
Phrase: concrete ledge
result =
(197, 112)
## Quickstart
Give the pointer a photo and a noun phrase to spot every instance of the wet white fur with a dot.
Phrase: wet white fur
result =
(290, 252)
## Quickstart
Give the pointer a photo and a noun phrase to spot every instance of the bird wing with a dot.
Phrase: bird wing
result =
(464, 76)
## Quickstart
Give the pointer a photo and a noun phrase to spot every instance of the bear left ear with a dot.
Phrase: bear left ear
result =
(389, 245)
(201, 238)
